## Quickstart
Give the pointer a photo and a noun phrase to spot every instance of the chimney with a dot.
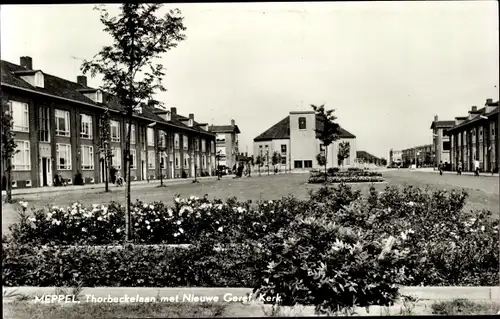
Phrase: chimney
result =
(435, 118)
(173, 110)
(191, 116)
(82, 80)
(489, 101)
(474, 109)
(191, 120)
(232, 122)
(246, 154)
(26, 62)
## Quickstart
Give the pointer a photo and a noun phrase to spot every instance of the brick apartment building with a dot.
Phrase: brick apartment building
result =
(56, 125)
(226, 144)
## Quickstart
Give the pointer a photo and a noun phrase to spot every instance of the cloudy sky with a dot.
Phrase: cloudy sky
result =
(386, 67)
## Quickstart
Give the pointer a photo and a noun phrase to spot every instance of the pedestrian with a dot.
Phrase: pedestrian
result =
(459, 168)
(440, 167)
(476, 167)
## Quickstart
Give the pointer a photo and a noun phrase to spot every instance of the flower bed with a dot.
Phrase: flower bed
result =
(345, 178)
(435, 242)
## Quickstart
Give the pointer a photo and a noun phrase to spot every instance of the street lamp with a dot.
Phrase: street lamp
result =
(217, 157)
(160, 150)
(195, 180)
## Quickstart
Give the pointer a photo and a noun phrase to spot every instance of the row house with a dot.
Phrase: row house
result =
(57, 130)
(475, 137)
(226, 143)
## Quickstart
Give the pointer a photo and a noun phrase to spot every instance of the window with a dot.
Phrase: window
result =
(283, 148)
(212, 146)
(302, 123)
(142, 136)
(186, 162)
(151, 159)
(133, 159)
(115, 131)
(177, 160)
(21, 161)
(44, 124)
(116, 161)
(85, 126)
(151, 136)
(98, 96)
(87, 157)
(203, 146)
(203, 161)
(62, 123)
(20, 116)
(39, 81)
(185, 142)
(308, 164)
(176, 141)
(197, 161)
(163, 139)
(297, 164)
(446, 146)
(196, 144)
(162, 161)
(283, 160)
(63, 155)
(132, 132)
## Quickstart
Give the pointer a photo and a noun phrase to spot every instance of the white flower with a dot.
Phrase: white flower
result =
(185, 209)
(410, 231)
(99, 218)
(118, 230)
(84, 229)
(32, 219)
(241, 210)
(151, 207)
(176, 234)
(147, 222)
(181, 230)
(220, 229)
(145, 206)
(149, 227)
(403, 236)
(170, 213)
(177, 199)
(193, 197)
(178, 222)
(411, 204)
(482, 228)
(157, 220)
(270, 202)
(136, 224)
(23, 204)
(49, 215)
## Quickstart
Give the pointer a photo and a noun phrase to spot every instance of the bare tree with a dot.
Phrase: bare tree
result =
(9, 147)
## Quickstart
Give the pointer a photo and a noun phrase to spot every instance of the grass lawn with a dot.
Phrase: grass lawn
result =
(483, 190)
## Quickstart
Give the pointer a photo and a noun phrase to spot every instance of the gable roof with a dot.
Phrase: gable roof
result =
(281, 130)
(365, 155)
(224, 129)
(476, 116)
(71, 91)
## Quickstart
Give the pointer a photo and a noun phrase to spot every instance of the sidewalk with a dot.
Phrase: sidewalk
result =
(134, 184)
(487, 174)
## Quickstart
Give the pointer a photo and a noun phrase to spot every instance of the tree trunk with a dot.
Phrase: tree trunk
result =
(326, 161)
(106, 159)
(8, 187)
(128, 229)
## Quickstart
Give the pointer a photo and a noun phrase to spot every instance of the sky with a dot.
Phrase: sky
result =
(385, 67)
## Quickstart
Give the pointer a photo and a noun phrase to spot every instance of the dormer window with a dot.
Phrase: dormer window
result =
(168, 116)
(98, 96)
(302, 123)
(39, 79)
(190, 123)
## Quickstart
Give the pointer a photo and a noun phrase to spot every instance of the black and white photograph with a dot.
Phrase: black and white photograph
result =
(250, 159)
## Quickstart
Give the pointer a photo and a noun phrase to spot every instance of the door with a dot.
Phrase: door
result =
(102, 170)
(45, 171)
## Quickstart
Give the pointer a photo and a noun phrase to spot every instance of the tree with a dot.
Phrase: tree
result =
(328, 130)
(275, 159)
(344, 150)
(321, 159)
(9, 147)
(259, 162)
(104, 144)
(383, 161)
(139, 37)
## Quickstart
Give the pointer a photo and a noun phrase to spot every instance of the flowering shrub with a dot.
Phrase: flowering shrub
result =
(347, 178)
(317, 262)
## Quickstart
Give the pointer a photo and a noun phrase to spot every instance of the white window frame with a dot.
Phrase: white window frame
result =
(24, 126)
(63, 114)
(133, 157)
(67, 151)
(114, 124)
(24, 156)
(203, 145)
(185, 142)
(116, 160)
(86, 119)
(163, 139)
(98, 96)
(151, 160)
(177, 144)
(132, 133)
(39, 79)
(150, 135)
(203, 161)
(212, 146)
(186, 164)
(87, 163)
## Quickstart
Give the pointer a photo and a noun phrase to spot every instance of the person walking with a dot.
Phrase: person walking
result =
(459, 168)
(440, 167)
(476, 167)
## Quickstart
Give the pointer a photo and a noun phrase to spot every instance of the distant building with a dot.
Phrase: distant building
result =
(364, 157)
(420, 155)
(395, 158)
(476, 137)
(226, 143)
(441, 141)
(296, 140)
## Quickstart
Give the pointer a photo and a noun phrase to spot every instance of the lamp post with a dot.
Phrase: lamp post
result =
(260, 161)
(195, 168)
(217, 157)
(267, 161)
(160, 149)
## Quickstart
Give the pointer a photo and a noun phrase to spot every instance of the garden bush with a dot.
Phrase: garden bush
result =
(345, 179)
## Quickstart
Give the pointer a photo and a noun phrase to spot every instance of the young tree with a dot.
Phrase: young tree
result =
(104, 144)
(328, 132)
(275, 159)
(8, 148)
(321, 159)
(344, 150)
(139, 37)
(259, 162)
